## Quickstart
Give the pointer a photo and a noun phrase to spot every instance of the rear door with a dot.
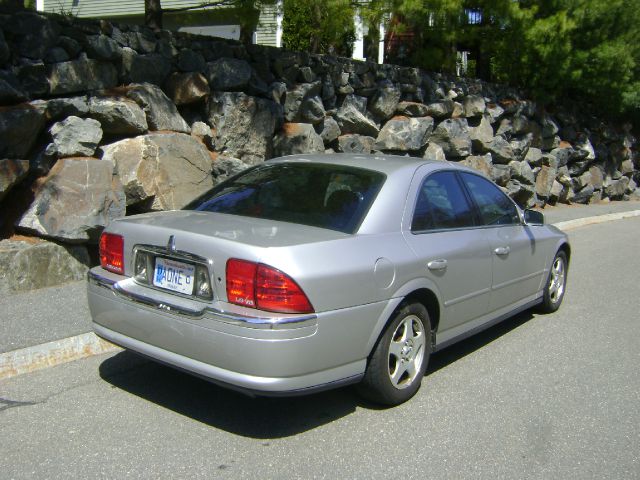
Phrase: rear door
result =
(452, 251)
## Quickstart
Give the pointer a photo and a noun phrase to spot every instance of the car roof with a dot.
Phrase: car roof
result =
(387, 164)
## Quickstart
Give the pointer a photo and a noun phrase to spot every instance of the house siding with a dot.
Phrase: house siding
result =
(109, 8)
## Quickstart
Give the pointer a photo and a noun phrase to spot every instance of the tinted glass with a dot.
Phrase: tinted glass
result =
(495, 207)
(441, 204)
(325, 196)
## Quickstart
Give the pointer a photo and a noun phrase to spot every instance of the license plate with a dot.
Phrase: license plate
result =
(173, 275)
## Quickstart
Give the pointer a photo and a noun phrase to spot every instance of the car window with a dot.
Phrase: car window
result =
(441, 204)
(320, 195)
(495, 207)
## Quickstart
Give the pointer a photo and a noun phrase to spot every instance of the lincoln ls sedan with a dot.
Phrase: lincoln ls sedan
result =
(311, 272)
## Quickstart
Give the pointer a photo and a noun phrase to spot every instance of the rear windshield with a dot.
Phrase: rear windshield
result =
(326, 196)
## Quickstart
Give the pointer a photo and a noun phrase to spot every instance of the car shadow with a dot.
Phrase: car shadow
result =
(261, 417)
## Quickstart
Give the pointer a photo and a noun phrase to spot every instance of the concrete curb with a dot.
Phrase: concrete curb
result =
(47, 355)
(69, 349)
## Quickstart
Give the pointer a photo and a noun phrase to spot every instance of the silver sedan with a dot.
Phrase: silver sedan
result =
(314, 271)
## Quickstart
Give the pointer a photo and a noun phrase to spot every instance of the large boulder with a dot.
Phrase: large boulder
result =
(412, 109)
(81, 75)
(225, 167)
(329, 130)
(161, 171)
(297, 138)
(545, 181)
(12, 172)
(187, 88)
(103, 47)
(352, 120)
(441, 109)
(296, 96)
(384, 102)
(74, 137)
(352, 143)
(227, 74)
(75, 201)
(118, 116)
(61, 108)
(452, 135)
(405, 134)
(152, 67)
(434, 152)
(523, 194)
(160, 112)
(34, 263)
(522, 172)
(480, 163)
(33, 34)
(501, 150)
(473, 106)
(481, 134)
(244, 125)
(19, 129)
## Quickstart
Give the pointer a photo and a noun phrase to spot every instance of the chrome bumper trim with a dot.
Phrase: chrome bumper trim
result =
(264, 323)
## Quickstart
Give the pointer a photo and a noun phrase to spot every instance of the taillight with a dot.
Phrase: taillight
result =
(266, 288)
(112, 253)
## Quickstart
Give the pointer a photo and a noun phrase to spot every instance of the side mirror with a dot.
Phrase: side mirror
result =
(532, 217)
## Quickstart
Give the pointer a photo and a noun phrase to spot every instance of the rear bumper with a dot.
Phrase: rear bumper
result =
(279, 355)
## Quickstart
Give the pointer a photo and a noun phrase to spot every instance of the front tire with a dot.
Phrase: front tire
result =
(399, 359)
(556, 284)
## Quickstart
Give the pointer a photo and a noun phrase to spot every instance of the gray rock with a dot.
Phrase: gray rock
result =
(523, 194)
(482, 164)
(584, 195)
(352, 143)
(534, 157)
(597, 177)
(33, 34)
(384, 102)
(71, 46)
(520, 147)
(550, 143)
(519, 124)
(81, 75)
(118, 116)
(312, 110)
(228, 74)
(160, 112)
(481, 134)
(74, 137)
(556, 191)
(584, 148)
(434, 152)
(295, 97)
(632, 187)
(360, 103)
(405, 134)
(60, 108)
(152, 68)
(225, 167)
(452, 135)
(458, 110)
(545, 181)
(473, 106)
(495, 112)
(12, 172)
(56, 55)
(34, 79)
(351, 120)
(141, 42)
(75, 201)
(33, 264)
(102, 47)
(161, 171)
(187, 88)
(412, 109)
(441, 109)
(501, 174)
(296, 138)
(330, 130)
(549, 127)
(191, 61)
(627, 167)
(10, 89)
(617, 188)
(5, 52)
(244, 125)
(522, 172)
(19, 129)
(277, 90)
(501, 150)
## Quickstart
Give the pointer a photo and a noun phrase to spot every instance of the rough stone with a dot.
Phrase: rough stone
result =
(10, 89)
(312, 110)
(5, 52)
(118, 116)
(61, 108)
(351, 120)
(384, 102)
(501, 174)
(481, 135)
(191, 61)
(19, 129)
(296, 138)
(523, 194)
(225, 167)
(584, 148)
(452, 135)
(597, 177)
(102, 47)
(352, 143)
(33, 264)
(244, 125)
(582, 181)
(434, 152)
(330, 130)
(520, 147)
(556, 191)
(74, 137)
(441, 109)
(160, 112)
(228, 74)
(33, 34)
(295, 97)
(627, 167)
(405, 134)
(56, 55)
(474, 106)
(412, 109)
(617, 188)
(501, 150)
(12, 172)
(482, 164)
(584, 195)
(152, 68)
(161, 171)
(81, 75)
(187, 88)
(522, 172)
(545, 180)
(549, 127)
(75, 201)
(534, 157)
(495, 112)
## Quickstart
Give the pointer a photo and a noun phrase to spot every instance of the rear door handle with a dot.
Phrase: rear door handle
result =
(502, 251)
(440, 264)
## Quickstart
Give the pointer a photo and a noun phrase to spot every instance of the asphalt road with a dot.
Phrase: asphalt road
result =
(539, 396)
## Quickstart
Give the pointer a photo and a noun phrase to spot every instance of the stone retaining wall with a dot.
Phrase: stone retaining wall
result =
(99, 120)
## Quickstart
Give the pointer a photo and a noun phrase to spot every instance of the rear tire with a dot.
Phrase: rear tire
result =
(399, 359)
(556, 284)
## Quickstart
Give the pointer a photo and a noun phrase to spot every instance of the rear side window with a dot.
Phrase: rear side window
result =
(327, 196)
(495, 207)
(441, 204)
